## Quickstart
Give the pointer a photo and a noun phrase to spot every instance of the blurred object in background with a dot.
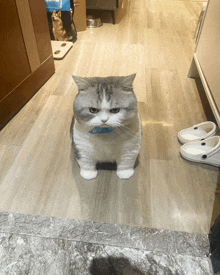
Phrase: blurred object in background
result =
(60, 20)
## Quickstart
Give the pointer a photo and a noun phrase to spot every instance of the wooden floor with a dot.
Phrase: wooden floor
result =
(38, 174)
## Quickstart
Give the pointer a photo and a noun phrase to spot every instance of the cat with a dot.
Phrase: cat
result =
(106, 125)
(58, 29)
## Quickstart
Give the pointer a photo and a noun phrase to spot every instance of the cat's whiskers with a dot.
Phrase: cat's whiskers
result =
(119, 132)
(124, 130)
(127, 128)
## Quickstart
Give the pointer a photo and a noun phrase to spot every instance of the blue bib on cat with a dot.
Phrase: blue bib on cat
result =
(101, 130)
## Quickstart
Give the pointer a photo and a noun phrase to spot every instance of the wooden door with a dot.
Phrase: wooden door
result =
(25, 52)
(14, 65)
(207, 50)
(79, 16)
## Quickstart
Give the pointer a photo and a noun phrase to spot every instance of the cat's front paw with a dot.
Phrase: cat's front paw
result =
(88, 174)
(125, 174)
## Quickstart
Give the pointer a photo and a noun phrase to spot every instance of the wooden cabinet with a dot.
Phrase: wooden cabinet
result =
(118, 8)
(14, 60)
(79, 16)
(111, 5)
(25, 52)
(102, 5)
(206, 65)
(206, 59)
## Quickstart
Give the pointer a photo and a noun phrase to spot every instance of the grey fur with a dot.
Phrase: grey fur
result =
(76, 151)
(91, 91)
(123, 145)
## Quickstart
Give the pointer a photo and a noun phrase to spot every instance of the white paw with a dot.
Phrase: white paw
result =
(125, 174)
(88, 174)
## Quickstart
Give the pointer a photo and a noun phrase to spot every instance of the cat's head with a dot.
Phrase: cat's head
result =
(105, 101)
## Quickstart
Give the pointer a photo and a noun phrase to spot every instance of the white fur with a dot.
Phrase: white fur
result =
(88, 174)
(125, 174)
(122, 146)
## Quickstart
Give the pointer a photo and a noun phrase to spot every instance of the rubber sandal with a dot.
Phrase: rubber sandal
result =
(206, 151)
(197, 132)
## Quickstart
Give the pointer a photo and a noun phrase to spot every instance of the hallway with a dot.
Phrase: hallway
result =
(39, 176)
(164, 210)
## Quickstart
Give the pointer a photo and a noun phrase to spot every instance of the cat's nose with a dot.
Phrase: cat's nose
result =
(104, 120)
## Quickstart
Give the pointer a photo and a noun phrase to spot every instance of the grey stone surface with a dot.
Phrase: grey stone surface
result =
(33, 255)
(107, 234)
(46, 245)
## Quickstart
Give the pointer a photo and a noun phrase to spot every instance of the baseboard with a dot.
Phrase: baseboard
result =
(207, 91)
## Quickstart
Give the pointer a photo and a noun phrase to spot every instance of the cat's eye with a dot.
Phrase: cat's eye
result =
(93, 110)
(115, 110)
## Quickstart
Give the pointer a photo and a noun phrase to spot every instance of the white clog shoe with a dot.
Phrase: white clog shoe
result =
(206, 151)
(197, 132)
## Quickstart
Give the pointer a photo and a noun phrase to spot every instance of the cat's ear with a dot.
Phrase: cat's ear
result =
(59, 14)
(54, 12)
(127, 81)
(81, 82)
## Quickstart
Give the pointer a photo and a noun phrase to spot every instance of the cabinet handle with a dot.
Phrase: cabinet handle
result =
(76, 4)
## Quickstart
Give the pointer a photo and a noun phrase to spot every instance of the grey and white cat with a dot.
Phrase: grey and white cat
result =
(107, 125)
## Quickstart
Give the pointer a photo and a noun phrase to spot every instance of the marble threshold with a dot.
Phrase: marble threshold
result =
(49, 245)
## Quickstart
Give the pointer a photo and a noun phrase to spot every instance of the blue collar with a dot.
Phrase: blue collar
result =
(101, 130)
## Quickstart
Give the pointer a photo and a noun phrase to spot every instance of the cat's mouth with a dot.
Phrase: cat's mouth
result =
(104, 125)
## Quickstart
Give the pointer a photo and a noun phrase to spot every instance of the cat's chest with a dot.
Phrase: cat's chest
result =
(107, 140)
(106, 147)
